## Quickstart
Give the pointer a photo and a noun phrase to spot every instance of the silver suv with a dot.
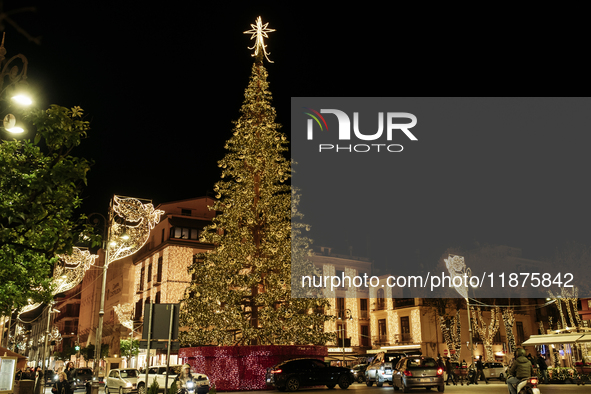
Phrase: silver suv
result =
(380, 369)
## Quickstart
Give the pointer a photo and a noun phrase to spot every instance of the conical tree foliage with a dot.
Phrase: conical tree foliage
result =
(241, 292)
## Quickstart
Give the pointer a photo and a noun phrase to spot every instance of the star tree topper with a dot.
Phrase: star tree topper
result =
(259, 31)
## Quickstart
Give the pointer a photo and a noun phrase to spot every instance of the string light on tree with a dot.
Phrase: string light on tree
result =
(509, 320)
(241, 292)
(487, 333)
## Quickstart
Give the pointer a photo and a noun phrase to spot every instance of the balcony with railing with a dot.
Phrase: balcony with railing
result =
(403, 302)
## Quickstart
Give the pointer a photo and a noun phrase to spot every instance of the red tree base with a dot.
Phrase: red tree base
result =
(239, 368)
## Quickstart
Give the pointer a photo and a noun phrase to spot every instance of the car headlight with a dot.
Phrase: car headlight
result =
(352, 371)
(128, 384)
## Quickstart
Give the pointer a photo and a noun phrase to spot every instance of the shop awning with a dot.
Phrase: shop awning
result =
(552, 339)
(585, 338)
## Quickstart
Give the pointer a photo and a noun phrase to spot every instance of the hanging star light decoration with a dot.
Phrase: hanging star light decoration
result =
(259, 31)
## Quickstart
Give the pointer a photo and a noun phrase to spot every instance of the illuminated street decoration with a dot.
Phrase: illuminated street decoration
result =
(124, 314)
(457, 269)
(69, 274)
(451, 329)
(128, 237)
(509, 321)
(415, 319)
(487, 333)
(259, 31)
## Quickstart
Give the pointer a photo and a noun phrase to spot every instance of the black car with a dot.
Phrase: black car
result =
(81, 377)
(418, 371)
(291, 375)
(358, 372)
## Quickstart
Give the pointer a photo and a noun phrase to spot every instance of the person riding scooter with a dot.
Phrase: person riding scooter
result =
(521, 369)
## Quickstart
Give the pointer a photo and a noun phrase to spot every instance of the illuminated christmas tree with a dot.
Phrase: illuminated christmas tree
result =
(241, 290)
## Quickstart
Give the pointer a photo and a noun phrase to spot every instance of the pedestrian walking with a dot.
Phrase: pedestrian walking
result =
(62, 386)
(543, 368)
(450, 373)
(479, 371)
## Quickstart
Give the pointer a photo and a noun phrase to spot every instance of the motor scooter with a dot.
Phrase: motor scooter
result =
(528, 386)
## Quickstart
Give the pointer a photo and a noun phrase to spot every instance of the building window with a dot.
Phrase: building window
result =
(405, 329)
(162, 236)
(157, 298)
(363, 308)
(520, 333)
(142, 275)
(150, 273)
(365, 336)
(340, 274)
(341, 308)
(382, 333)
(138, 310)
(381, 301)
(159, 270)
(184, 233)
(185, 212)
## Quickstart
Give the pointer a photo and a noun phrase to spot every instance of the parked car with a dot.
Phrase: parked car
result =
(380, 369)
(81, 377)
(291, 375)
(358, 372)
(495, 371)
(418, 371)
(159, 372)
(122, 381)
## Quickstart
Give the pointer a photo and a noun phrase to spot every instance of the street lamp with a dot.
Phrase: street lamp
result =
(50, 310)
(349, 317)
(15, 88)
(125, 231)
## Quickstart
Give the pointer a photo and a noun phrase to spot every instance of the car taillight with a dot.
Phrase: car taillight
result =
(276, 371)
(407, 373)
(440, 371)
(533, 381)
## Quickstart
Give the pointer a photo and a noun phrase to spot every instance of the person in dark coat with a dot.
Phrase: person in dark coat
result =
(479, 371)
(450, 372)
(520, 369)
(62, 386)
(70, 372)
(543, 368)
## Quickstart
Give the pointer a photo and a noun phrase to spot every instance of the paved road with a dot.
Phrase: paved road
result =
(493, 388)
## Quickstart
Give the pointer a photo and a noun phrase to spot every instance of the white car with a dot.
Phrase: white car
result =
(495, 371)
(122, 381)
(159, 372)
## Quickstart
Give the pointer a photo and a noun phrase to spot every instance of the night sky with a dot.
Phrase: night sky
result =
(161, 85)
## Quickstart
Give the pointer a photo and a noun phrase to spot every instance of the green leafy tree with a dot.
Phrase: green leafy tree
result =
(241, 293)
(88, 351)
(173, 388)
(40, 185)
(65, 354)
(129, 348)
